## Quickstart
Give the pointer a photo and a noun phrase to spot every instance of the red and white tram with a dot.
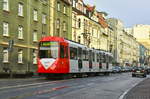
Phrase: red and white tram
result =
(57, 55)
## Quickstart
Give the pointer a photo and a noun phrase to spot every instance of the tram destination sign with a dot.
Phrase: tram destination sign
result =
(48, 44)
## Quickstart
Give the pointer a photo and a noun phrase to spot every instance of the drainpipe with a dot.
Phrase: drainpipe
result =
(28, 34)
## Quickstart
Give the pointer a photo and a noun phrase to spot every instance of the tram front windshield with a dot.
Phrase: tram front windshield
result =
(48, 50)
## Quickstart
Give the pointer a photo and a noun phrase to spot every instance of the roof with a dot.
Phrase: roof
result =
(102, 21)
(90, 8)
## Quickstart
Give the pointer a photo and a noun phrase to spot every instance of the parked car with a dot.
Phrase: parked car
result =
(127, 69)
(147, 70)
(116, 69)
(138, 71)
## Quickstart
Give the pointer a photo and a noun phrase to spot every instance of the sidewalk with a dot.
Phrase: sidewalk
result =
(141, 91)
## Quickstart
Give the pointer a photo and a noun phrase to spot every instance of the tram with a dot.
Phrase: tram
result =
(59, 56)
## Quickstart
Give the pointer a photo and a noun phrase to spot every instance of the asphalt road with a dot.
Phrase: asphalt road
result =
(100, 87)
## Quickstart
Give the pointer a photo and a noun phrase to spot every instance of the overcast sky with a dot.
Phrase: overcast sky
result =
(131, 12)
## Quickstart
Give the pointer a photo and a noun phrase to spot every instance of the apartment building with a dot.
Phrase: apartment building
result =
(22, 24)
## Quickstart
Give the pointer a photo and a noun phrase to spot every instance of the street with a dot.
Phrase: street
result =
(100, 87)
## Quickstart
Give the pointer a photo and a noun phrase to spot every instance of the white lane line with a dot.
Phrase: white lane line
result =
(122, 95)
(34, 84)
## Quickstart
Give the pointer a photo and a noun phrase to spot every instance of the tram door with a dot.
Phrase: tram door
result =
(90, 60)
(107, 62)
(64, 60)
(100, 61)
(80, 66)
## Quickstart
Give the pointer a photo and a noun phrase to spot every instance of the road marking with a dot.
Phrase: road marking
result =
(34, 84)
(39, 92)
(58, 88)
(122, 95)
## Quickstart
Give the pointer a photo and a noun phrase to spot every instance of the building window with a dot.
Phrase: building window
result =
(64, 26)
(79, 39)
(64, 9)
(79, 23)
(5, 29)
(20, 32)
(58, 23)
(58, 6)
(74, 3)
(5, 55)
(20, 9)
(44, 18)
(35, 36)
(80, 7)
(34, 56)
(43, 34)
(6, 5)
(20, 56)
(35, 15)
(58, 27)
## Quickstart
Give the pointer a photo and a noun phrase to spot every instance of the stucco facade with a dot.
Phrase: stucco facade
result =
(117, 27)
(142, 34)
(61, 18)
(89, 26)
(129, 49)
(23, 24)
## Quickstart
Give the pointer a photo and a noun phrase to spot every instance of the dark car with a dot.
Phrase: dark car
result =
(116, 69)
(147, 70)
(139, 71)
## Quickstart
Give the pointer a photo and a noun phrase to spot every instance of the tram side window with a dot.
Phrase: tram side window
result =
(66, 51)
(73, 53)
(110, 59)
(87, 55)
(84, 55)
(104, 58)
(107, 58)
(90, 55)
(79, 53)
(63, 51)
(93, 55)
(98, 58)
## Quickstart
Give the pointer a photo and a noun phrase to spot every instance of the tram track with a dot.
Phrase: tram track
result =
(68, 87)
(24, 86)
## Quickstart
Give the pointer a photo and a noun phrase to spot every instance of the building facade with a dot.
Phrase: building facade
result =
(22, 24)
(129, 50)
(117, 27)
(142, 34)
(122, 43)
(61, 18)
(111, 39)
(89, 26)
(143, 55)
